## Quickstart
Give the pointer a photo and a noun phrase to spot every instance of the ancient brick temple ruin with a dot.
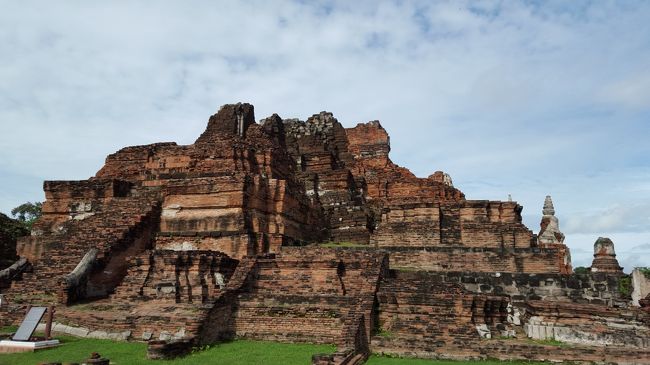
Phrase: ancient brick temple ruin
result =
(306, 231)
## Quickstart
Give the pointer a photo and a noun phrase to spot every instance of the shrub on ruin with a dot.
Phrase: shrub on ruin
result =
(625, 286)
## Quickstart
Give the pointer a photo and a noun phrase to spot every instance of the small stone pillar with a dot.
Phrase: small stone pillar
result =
(605, 257)
(641, 285)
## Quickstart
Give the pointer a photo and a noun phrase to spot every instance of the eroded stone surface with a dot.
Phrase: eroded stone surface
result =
(641, 285)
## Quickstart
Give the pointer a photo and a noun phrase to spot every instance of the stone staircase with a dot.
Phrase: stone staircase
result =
(282, 304)
(109, 231)
(151, 303)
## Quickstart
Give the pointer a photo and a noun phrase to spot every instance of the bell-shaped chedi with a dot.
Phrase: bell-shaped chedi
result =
(549, 233)
(605, 257)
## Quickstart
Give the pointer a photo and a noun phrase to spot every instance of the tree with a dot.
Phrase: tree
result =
(581, 270)
(10, 230)
(27, 213)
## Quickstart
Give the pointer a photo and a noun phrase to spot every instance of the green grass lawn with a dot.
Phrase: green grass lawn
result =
(131, 353)
(240, 352)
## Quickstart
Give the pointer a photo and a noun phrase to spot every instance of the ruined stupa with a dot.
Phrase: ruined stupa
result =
(605, 257)
(549, 233)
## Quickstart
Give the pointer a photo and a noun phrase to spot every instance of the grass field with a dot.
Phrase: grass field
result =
(240, 352)
(130, 353)
(233, 353)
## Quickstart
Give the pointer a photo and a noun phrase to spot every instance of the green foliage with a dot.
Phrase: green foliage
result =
(384, 333)
(8, 329)
(581, 270)
(134, 353)
(549, 342)
(12, 228)
(27, 213)
(625, 286)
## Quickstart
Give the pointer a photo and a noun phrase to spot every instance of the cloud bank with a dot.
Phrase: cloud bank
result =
(520, 98)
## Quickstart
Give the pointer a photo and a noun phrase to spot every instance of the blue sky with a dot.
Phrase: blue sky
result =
(520, 98)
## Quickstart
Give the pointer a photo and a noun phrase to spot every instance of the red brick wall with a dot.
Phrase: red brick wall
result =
(475, 259)
(417, 315)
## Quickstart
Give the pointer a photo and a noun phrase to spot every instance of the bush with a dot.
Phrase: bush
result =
(581, 270)
(12, 228)
(625, 286)
(28, 213)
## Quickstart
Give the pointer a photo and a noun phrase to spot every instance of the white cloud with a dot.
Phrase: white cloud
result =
(632, 92)
(634, 217)
(508, 97)
(637, 256)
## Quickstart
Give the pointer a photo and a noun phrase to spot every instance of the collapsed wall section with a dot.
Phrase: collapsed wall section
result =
(300, 295)
(177, 277)
(475, 259)
(597, 289)
(319, 148)
(76, 200)
(587, 324)
(423, 318)
(306, 295)
(470, 223)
